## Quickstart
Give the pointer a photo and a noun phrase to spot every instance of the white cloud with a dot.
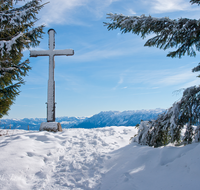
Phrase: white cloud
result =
(98, 7)
(177, 78)
(156, 79)
(104, 52)
(196, 81)
(121, 80)
(131, 11)
(163, 78)
(65, 11)
(160, 6)
(60, 11)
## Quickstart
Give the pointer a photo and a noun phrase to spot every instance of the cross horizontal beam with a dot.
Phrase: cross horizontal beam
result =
(67, 52)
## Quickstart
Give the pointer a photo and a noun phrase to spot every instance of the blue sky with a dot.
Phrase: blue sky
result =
(109, 70)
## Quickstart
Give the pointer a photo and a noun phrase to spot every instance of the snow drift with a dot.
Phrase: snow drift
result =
(94, 159)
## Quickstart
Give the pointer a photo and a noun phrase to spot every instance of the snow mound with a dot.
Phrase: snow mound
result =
(93, 159)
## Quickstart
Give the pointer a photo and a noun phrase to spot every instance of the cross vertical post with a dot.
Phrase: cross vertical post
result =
(51, 83)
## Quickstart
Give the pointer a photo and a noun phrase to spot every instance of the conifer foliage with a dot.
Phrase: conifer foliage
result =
(17, 32)
(168, 126)
(184, 35)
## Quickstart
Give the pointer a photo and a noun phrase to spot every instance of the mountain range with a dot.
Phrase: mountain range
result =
(34, 123)
(102, 119)
(116, 118)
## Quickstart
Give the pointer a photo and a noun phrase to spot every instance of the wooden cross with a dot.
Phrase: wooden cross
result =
(51, 83)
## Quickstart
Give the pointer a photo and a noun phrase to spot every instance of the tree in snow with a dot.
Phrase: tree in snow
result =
(168, 126)
(183, 34)
(17, 32)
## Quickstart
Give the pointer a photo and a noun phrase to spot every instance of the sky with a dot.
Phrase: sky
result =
(109, 71)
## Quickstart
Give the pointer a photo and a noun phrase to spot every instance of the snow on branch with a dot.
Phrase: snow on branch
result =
(16, 16)
(182, 33)
(7, 45)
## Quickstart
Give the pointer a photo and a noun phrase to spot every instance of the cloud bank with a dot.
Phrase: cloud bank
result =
(65, 11)
(161, 6)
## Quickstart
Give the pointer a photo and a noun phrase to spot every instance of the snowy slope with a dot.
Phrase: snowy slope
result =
(94, 159)
(116, 118)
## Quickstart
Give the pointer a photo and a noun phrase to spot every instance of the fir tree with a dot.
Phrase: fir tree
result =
(184, 35)
(168, 126)
(17, 32)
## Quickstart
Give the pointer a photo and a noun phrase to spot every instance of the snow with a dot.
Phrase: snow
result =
(8, 44)
(14, 17)
(94, 159)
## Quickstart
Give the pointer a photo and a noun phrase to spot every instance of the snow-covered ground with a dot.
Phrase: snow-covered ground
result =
(97, 159)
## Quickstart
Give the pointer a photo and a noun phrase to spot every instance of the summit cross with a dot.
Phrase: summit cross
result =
(51, 83)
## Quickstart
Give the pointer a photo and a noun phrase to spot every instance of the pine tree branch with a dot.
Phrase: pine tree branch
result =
(195, 1)
(183, 33)
(196, 69)
(18, 16)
